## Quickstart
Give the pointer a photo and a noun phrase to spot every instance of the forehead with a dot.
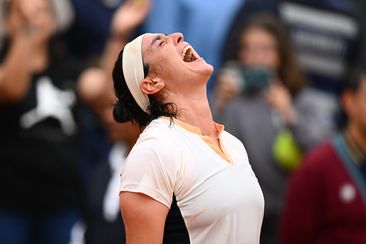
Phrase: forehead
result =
(149, 40)
(258, 33)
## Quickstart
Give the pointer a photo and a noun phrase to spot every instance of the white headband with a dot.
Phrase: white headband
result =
(133, 70)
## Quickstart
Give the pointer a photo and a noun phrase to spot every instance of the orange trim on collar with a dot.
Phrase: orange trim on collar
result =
(219, 127)
(194, 129)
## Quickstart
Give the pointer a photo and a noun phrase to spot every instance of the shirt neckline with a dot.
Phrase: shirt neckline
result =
(191, 128)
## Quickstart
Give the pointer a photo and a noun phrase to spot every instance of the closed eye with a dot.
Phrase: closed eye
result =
(161, 43)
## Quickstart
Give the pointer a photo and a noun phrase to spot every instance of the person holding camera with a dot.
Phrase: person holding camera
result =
(269, 108)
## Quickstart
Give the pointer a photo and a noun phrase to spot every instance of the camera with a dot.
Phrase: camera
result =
(251, 79)
(255, 79)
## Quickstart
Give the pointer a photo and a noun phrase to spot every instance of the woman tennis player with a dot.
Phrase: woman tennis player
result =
(160, 82)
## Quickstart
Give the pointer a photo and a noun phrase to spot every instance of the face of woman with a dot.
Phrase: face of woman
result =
(173, 60)
(259, 48)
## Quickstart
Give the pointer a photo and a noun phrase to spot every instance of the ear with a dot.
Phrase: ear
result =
(151, 86)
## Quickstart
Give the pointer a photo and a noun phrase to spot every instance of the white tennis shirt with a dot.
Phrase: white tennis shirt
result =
(216, 190)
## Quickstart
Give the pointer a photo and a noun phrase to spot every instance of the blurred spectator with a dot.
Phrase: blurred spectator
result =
(103, 219)
(326, 199)
(245, 11)
(204, 23)
(63, 14)
(281, 114)
(39, 179)
(326, 35)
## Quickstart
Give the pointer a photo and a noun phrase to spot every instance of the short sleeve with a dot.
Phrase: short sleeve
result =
(148, 171)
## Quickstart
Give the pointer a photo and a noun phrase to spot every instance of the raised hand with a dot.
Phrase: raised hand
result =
(31, 19)
(278, 96)
(29, 25)
(129, 15)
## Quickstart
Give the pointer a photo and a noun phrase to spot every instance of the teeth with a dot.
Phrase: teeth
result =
(185, 50)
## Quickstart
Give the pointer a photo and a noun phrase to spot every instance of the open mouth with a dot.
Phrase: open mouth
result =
(189, 54)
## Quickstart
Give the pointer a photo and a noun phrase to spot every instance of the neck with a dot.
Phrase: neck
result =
(194, 109)
(130, 143)
(358, 136)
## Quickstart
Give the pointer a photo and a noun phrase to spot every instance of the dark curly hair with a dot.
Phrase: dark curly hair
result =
(126, 108)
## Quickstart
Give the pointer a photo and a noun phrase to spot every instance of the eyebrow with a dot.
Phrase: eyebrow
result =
(157, 38)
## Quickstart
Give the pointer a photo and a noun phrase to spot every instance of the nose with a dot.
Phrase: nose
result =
(177, 37)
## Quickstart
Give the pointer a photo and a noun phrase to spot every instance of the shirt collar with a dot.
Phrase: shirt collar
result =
(219, 127)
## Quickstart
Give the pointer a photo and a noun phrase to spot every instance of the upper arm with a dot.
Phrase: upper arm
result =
(149, 170)
(148, 178)
(144, 218)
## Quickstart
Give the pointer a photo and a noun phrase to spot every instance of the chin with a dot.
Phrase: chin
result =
(200, 71)
(211, 68)
(207, 71)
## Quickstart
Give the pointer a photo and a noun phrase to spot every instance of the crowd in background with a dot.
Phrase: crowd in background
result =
(289, 82)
